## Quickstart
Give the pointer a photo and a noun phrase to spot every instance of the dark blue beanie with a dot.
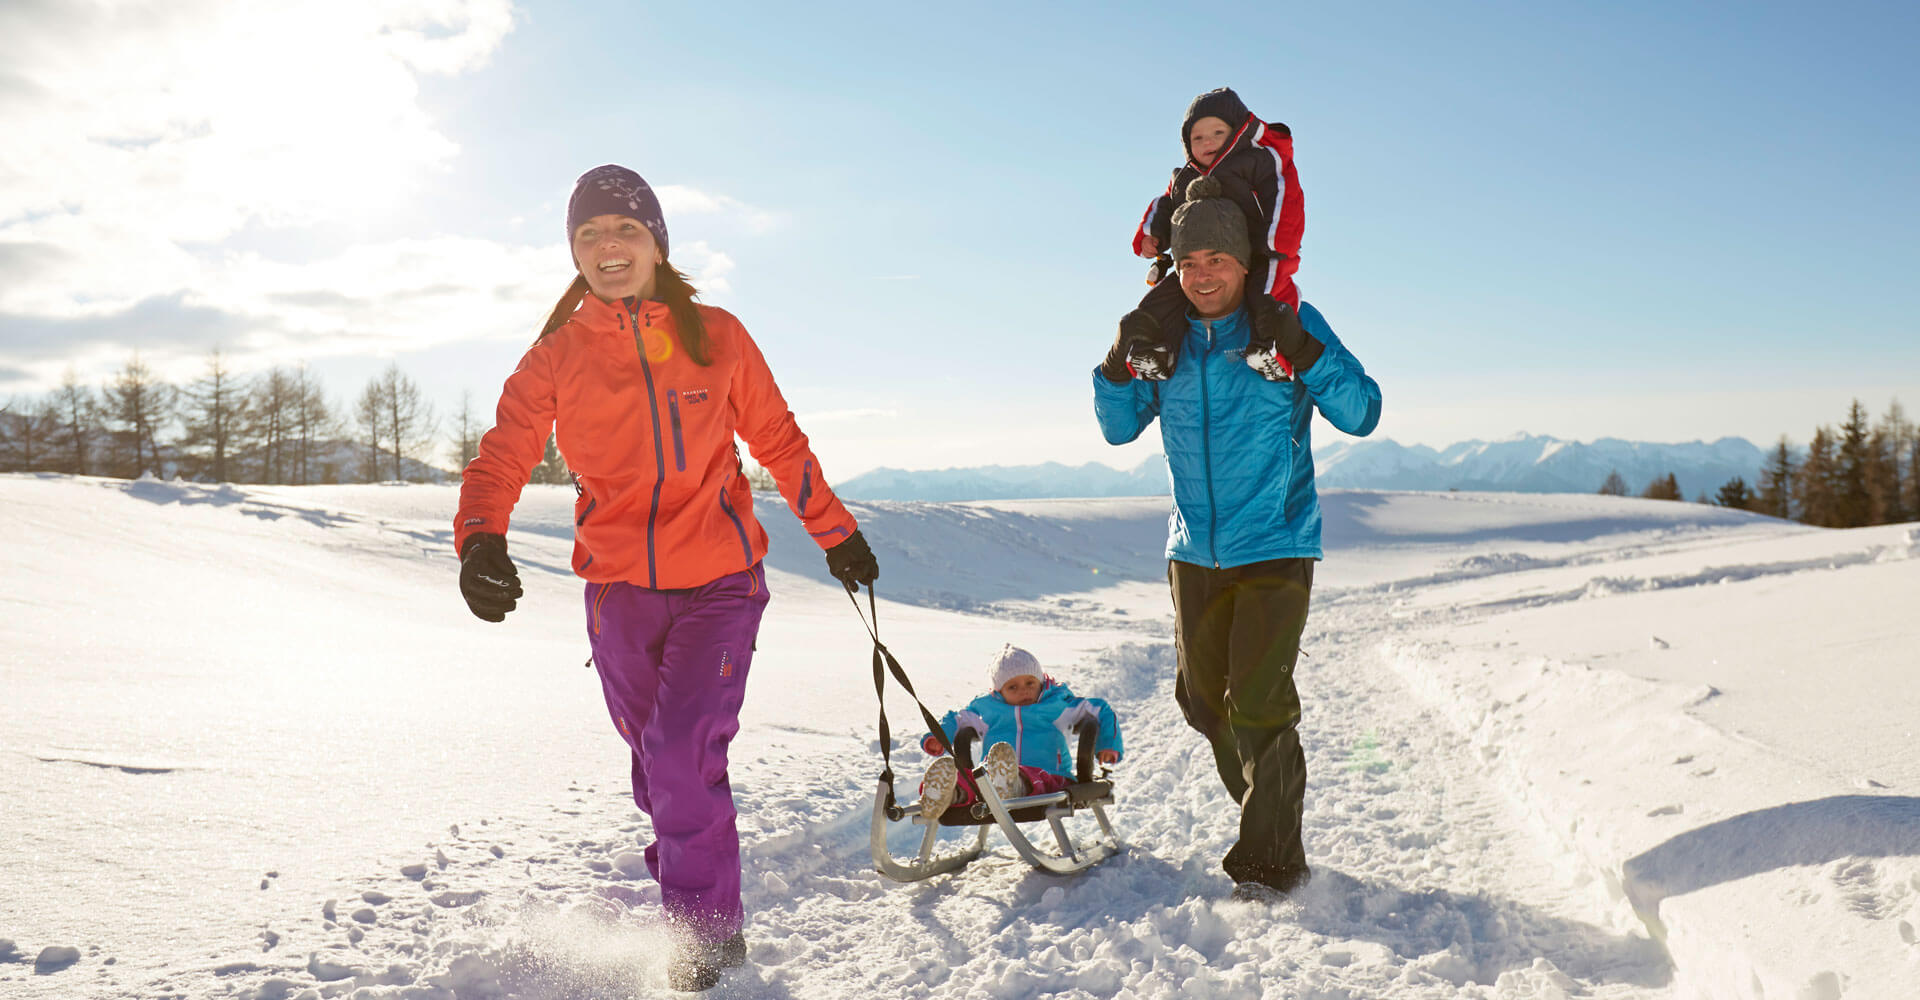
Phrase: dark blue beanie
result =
(615, 190)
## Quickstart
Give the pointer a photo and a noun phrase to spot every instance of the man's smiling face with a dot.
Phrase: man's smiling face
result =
(1213, 282)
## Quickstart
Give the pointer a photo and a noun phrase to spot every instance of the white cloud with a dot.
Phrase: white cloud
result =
(377, 300)
(676, 200)
(705, 267)
(184, 122)
(401, 296)
(141, 138)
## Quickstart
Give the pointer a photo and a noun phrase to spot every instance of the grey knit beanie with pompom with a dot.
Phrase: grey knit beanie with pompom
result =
(1210, 221)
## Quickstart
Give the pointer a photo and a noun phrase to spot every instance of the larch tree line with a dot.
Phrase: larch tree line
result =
(277, 426)
(1863, 472)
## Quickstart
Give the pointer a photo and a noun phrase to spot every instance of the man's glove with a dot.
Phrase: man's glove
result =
(1279, 347)
(1139, 351)
(852, 563)
(487, 578)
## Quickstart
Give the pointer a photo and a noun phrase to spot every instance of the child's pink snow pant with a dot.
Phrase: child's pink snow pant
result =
(673, 665)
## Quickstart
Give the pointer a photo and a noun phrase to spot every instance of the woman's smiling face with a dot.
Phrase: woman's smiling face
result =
(617, 256)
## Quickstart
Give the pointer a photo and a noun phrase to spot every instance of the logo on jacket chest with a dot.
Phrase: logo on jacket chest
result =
(693, 396)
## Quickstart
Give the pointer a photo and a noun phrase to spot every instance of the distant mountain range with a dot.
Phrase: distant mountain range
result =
(1523, 463)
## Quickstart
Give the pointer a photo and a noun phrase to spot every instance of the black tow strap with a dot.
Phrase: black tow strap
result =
(883, 663)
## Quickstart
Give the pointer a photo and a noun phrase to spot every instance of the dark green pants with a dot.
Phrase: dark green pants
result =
(1237, 634)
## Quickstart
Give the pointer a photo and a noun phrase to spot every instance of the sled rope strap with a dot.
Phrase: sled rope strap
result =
(884, 663)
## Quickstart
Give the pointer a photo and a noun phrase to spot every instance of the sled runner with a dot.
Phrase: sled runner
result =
(1086, 794)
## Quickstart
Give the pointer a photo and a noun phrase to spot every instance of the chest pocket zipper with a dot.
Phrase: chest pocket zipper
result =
(679, 449)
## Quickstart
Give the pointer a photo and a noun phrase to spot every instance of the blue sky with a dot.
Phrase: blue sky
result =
(1652, 221)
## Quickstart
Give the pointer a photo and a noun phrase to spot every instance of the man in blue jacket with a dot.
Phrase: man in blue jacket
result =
(1235, 400)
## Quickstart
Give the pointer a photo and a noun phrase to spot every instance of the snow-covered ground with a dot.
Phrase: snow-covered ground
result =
(253, 745)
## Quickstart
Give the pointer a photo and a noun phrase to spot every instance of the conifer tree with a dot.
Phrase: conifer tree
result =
(396, 421)
(1851, 492)
(314, 420)
(466, 433)
(1777, 483)
(216, 406)
(1615, 485)
(1734, 493)
(142, 404)
(1816, 490)
(1662, 488)
(271, 415)
(27, 435)
(1912, 490)
(79, 422)
(552, 469)
(366, 416)
(1886, 472)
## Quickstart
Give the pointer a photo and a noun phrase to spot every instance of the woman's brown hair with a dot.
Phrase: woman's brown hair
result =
(669, 286)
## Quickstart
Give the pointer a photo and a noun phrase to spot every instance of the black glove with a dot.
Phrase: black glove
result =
(487, 578)
(1279, 347)
(1140, 350)
(852, 563)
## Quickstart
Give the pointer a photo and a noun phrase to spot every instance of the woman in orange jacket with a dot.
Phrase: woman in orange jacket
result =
(645, 390)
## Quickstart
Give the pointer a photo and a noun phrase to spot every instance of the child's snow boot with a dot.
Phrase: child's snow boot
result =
(1003, 771)
(1149, 354)
(1278, 345)
(936, 791)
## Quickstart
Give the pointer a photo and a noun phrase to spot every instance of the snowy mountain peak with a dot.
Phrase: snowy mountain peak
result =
(1519, 463)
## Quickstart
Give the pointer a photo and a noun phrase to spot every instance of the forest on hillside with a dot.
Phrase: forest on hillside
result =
(1863, 472)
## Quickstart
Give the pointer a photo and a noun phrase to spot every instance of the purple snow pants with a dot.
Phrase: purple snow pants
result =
(673, 665)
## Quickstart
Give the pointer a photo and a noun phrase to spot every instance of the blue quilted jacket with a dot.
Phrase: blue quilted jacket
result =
(1041, 733)
(1237, 445)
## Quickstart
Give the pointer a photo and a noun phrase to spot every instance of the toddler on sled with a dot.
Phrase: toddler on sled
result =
(1026, 722)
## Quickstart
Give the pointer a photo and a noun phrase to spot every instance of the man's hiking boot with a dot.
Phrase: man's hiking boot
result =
(936, 791)
(1003, 771)
(1273, 886)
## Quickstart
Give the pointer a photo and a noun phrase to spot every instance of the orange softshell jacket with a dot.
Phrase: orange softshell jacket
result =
(648, 435)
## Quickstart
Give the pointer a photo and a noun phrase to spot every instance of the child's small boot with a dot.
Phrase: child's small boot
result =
(1149, 353)
(1278, 345)
(1003, 771)
(936, 791)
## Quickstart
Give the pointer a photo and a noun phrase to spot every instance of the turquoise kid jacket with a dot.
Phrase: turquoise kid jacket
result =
(1238, 448)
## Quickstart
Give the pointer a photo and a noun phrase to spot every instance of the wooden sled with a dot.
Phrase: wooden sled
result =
(1087, 794)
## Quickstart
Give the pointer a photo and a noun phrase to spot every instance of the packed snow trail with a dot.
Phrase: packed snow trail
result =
(431, 807)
